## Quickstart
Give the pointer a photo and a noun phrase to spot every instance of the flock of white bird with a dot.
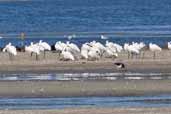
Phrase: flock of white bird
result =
(90, 50)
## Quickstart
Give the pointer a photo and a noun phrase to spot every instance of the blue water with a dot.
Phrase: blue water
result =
(83, 15)
(70, 102)
(48, 18)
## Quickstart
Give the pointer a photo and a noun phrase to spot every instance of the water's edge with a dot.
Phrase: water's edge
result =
(85, 76)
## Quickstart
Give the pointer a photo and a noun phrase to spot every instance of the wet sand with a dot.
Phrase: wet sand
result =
(24, 63)
(93, 111)
(84, 88)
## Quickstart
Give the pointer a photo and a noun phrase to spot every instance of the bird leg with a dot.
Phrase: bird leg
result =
(31, 54)
(37, 57)
(136, 56)
(154, 56)
(59, 54)
(128, 55)
(10, 56)
(143, 54)
(132, 55)
(44, 54)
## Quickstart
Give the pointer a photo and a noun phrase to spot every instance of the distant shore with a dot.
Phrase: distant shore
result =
(52, 63)
(93, 111)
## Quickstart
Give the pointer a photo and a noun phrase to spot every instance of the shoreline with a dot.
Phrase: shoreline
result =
(81, 66)
(125, 110)
(24, 63)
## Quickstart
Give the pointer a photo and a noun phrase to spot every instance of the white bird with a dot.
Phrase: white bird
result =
(103, 37)
(86, 46)
(131, 49)
(59, 46)
(94, 54)
(73, 46)
(110, 53)
(84, 53)
(11, 50)
(71, 36)
(169, 45)
(44, 46)
(33, 49)
(118, 47)
(66, 55)
(154, 48)
(100, 47)
(111, 45)
(85, 49)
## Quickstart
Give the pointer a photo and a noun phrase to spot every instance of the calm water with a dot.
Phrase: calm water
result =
(84, 76)
(83, 15)
(48, 18)
(58, 103)
(70, 102)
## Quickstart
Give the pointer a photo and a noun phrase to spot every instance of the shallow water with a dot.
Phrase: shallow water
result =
(85, 76)
(58, 103)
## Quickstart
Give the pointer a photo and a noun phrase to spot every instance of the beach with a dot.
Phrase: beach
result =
(92, 111)
(23, 62)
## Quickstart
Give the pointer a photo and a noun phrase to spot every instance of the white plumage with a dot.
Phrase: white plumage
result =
(45, 45)
(66, 55)
(33, 49)
(169, 45)
(11, 50)
(103, 37)
(154, 47)
(90, 50)
(59, 46)
(94, 54)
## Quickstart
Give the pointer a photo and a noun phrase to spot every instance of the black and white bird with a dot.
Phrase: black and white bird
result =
(120, 65)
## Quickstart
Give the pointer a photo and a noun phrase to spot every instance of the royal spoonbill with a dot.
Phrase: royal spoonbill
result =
(169, 45)
(45, 46)
(103, 37)
(11, 50)
(33, 49)
(154, 48)
(66, 55)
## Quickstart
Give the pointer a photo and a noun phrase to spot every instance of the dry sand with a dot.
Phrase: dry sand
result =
(93, 111)
(24, 63)
(83, 88)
